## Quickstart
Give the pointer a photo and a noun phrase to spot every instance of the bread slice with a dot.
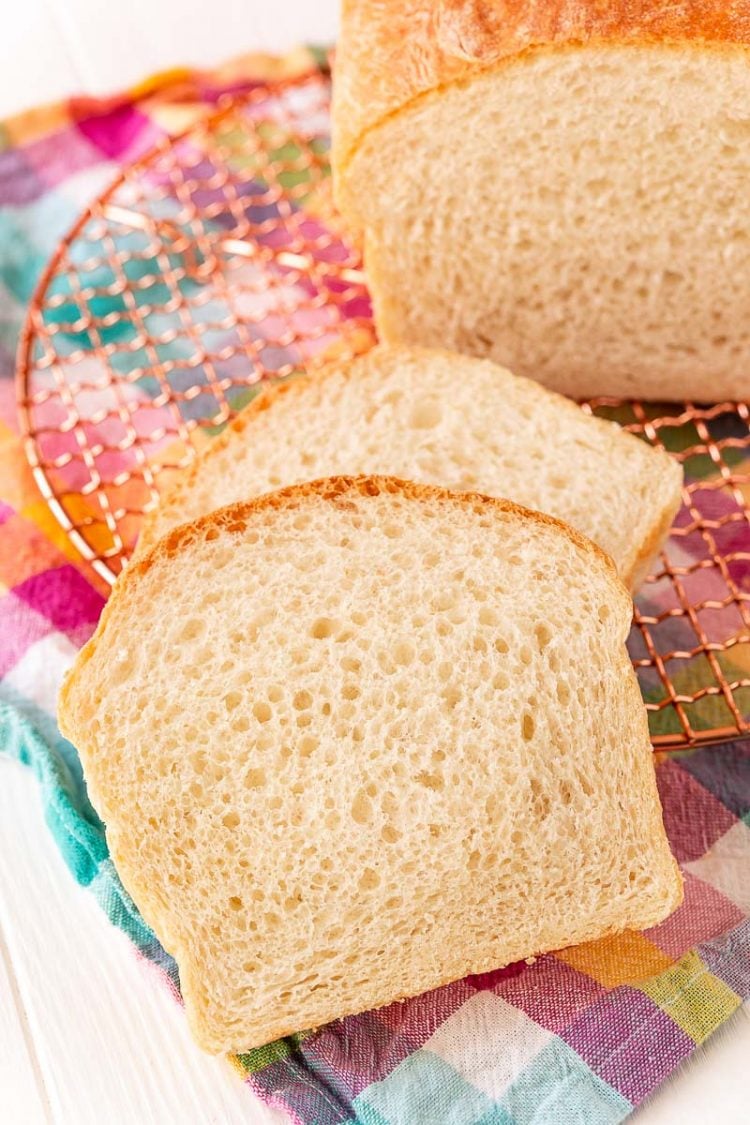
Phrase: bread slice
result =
(559, 186)
(442, 419)
(361, 737)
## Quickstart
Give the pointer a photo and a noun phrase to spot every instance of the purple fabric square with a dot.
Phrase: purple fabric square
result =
(703, 914)
(19, 182)
(121, 133)
(20, 628)
(289, 1083)
(64, 597)
(359, 1050)
(728, 958)
(725, 772)
(629, 1042)
(60, 155)
(693, 817)
(419, 1017)
(550, 992)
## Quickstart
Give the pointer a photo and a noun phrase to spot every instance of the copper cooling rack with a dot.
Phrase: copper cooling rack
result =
(217, 262)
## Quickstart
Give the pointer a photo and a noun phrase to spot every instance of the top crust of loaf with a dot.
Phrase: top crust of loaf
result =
(392, 52)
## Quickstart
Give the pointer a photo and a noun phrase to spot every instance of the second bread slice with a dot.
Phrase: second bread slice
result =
(440, 418)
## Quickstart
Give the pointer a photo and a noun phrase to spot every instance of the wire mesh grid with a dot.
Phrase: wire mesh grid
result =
(216, 263)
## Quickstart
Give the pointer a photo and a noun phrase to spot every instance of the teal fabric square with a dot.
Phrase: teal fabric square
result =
(424, 1089)
(77, 830)
(496, 1116)
(557, 1088)
(367, 1115)
(20, 261)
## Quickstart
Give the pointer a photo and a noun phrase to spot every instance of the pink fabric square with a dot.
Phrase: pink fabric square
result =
(20, 628)
(704, 914)
(57, 157)
(123, 133)
(551, 992)
(693, 818)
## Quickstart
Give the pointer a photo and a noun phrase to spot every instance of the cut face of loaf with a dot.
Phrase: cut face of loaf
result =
(446, 419)
(578, 214)
(363, 737)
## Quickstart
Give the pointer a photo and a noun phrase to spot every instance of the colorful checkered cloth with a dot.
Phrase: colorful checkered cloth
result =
(579, 1036)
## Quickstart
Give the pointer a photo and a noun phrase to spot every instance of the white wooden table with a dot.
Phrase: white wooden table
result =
(87, 1035)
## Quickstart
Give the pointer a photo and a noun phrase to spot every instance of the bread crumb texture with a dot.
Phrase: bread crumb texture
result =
(361, 738)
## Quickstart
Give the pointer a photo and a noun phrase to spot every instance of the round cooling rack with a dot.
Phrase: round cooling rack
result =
(217, 262)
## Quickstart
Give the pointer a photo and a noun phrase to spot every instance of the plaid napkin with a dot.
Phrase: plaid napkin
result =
(579, 1036)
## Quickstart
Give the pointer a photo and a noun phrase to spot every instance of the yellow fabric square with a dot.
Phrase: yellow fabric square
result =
(38, 513)
(173, 117)
(696, 1000)
(619, 959)
(40, 121)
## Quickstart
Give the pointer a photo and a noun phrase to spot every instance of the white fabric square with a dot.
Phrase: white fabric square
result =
(725, 867)
(38, 675)
(489, 1042)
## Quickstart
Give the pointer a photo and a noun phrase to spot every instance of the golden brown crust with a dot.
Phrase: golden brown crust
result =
(392, 52)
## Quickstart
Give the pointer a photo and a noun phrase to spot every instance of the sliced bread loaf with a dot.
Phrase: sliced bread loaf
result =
(361, 737)
(557, 185)
(445, 419)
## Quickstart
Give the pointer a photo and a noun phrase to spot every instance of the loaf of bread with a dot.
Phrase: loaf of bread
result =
(559, 185)
(443, 419)
(361, 737)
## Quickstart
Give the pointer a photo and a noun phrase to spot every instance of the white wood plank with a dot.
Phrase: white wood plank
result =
(111, 1041)
(54, 48)
(36, 64)
(145, 36)
(22, 1094)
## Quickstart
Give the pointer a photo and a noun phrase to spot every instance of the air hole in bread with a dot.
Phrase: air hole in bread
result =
(432, 781)
(262, 711)
(232, 700)
(361, 810)
(426, 415)
(323, 628)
